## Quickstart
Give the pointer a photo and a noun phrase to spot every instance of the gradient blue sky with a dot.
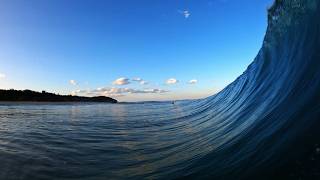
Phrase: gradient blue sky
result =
(46, 43)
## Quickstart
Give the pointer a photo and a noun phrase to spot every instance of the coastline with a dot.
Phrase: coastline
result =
(33, 96)
(5, 103)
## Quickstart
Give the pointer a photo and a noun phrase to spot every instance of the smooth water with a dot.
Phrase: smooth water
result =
(264, 125)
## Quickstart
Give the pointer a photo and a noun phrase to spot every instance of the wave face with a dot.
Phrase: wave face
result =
(269, 117)
(264, 125)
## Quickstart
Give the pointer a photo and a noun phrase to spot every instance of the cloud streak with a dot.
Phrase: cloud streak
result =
(140, 81)
(137, 79)
(116, 92)
(185, 13)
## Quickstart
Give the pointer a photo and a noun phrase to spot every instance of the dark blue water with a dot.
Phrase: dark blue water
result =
(264, 125)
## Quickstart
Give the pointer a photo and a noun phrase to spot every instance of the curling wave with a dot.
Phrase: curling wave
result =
(268, 119)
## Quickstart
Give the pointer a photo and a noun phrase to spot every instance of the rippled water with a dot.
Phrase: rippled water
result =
(98, 140)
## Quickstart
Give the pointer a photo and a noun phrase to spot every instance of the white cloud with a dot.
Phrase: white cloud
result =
(172, 81)
(185, 13)
(144, 82)
(193, 81)
(140, 80)
(76, 92)
(2, 76)
(73, 82)
(137, 79)
(121, 81)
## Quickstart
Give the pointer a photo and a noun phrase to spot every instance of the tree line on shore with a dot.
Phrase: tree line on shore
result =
(28, 95)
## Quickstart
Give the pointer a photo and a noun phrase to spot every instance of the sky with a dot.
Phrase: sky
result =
(132, 50)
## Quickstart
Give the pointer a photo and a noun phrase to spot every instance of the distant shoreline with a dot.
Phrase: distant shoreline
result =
(50, 103)
(28, 96)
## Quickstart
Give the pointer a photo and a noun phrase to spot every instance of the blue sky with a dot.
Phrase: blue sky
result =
(173, 49)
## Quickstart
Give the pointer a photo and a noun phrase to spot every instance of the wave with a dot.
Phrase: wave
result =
(266, 123)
